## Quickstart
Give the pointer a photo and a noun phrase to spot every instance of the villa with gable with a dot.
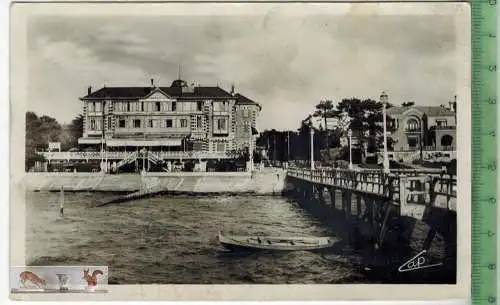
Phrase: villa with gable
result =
(423, 131)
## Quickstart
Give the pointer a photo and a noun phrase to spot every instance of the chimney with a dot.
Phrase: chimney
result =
(232, 89)
(89, 90)
(152, 82)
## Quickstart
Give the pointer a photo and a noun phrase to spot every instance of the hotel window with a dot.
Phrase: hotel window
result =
(184, 123)
(158, 106)
(245, 113)
(93, 107)
(199, 105)
(221, 146)
(142, 106)
(150, 123)
(137, 123)
(245, 127)
(198, 122)
(92, 125)
(174, 106)
(221, 124)
(169, 123)
(109, 123)
(121, 123)
(128, 106)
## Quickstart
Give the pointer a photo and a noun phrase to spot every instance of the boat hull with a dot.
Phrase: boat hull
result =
(246, 244)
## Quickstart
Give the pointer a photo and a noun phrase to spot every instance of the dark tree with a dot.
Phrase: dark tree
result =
(39, 131)
(365, 121)
(75, 130)
(325, 110)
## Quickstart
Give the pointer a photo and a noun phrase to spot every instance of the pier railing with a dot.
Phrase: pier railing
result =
(398, 186)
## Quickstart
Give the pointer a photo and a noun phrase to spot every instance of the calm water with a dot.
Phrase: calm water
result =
(174, 239)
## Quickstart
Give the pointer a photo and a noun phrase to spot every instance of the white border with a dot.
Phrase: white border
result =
(220, 291)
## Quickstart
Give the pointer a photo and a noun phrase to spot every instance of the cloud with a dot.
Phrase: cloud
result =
(287, 63)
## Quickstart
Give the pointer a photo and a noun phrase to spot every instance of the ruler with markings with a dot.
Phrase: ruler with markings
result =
(485, 199)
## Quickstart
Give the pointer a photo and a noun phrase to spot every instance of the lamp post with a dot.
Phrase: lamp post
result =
(349, 132)
(250, 151)
(311, 131)
(384, 98)
(288, 146)
(143, 151)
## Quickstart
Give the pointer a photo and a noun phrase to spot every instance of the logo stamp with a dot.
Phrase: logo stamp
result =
(59, 279)
(419, 261)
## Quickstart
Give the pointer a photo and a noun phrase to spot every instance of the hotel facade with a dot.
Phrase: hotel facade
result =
(157, 125)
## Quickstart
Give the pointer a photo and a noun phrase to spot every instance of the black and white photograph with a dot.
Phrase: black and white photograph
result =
(243, 143)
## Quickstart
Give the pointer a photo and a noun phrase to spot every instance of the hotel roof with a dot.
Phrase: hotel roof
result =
(142, 92)
(179, 90)
(243, 100)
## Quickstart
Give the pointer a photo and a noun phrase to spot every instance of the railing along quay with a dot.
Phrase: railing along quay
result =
(90, 155)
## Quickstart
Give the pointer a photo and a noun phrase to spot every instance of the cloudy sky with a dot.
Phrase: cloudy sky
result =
(287, 63)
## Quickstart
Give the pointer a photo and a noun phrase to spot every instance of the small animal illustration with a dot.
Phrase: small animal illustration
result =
(91, 279)
(31, 277)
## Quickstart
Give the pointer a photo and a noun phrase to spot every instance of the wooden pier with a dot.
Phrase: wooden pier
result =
(372, 197)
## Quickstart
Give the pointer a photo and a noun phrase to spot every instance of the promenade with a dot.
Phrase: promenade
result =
(266, 182)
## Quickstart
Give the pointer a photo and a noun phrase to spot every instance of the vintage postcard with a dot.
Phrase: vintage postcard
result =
(240, 151)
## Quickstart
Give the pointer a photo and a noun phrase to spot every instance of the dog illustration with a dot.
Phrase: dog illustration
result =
(91, 279)
(31, 277)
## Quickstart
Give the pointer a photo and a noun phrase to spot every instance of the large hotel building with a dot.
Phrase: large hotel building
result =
(164, 124)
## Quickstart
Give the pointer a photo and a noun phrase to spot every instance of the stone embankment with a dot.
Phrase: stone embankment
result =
(266, 182)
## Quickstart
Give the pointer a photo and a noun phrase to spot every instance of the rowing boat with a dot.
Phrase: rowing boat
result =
(248, 243)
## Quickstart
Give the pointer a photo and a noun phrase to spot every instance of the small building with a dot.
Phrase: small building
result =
(422, 129)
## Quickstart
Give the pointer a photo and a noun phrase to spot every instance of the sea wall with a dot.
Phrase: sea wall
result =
(266, 182)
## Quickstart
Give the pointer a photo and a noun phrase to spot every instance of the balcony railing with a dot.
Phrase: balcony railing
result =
(86, 155)
(445, 127)
(435, 148)
(427, 148)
